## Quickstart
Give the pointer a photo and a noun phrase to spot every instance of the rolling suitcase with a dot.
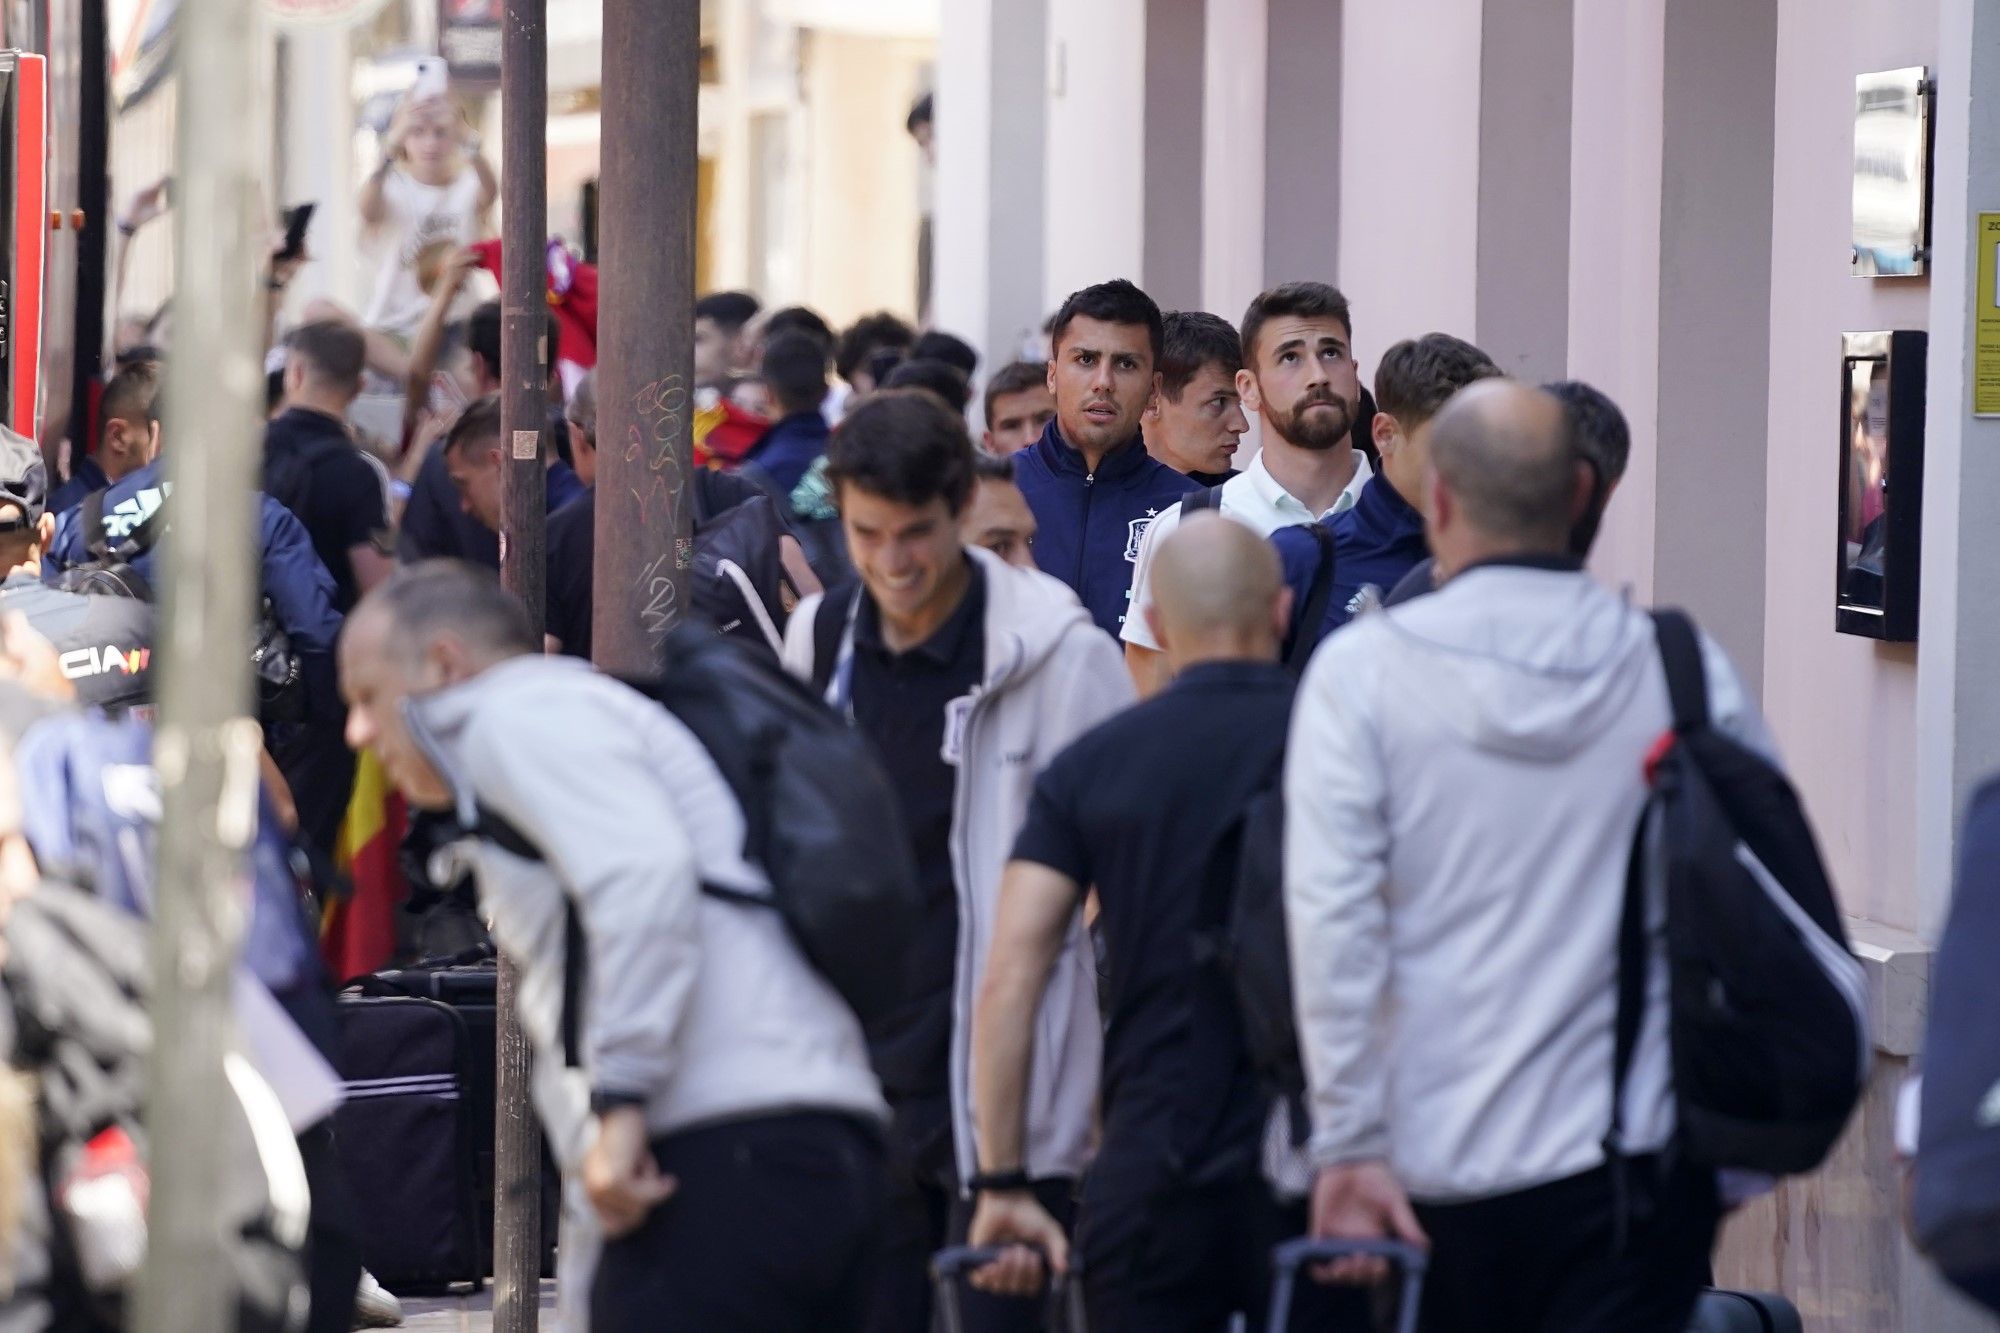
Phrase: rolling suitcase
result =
(404, 1136)
(1293, 1255)
(469, 984)
(950, 1267)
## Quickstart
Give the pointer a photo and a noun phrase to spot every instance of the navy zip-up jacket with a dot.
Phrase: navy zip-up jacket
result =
(1088, 525)
(1375, 544)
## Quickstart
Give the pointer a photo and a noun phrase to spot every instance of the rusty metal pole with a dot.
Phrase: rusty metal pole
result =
(645, 331)
(524, 403)
(207, 744)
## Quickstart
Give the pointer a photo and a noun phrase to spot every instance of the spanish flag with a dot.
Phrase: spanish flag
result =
(358, 933)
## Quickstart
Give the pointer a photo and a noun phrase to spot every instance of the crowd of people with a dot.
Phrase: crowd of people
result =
(1111, 664)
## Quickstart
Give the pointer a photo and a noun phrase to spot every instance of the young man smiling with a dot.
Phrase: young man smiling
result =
(969, 675)
(1089, 479)
(1298, 374)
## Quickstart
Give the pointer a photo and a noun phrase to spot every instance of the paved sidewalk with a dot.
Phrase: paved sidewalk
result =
(465, 1314)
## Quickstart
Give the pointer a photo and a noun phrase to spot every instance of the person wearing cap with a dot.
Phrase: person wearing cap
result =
(103, 645)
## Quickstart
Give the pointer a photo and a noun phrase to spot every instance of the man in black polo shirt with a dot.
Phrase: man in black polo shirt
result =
(1176, 1222)
(313, 468)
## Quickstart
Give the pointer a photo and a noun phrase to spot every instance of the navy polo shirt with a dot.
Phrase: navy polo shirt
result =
(1140, 807)
(1088, 524)
(1375, 544)
(899, 702)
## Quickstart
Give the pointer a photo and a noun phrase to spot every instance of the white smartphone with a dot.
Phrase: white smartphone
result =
(432, 77)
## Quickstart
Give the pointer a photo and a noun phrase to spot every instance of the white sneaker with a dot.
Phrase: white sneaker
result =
(375, 1307)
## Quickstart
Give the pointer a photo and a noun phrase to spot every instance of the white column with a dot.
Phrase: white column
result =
(1233, 195)
(1957, 708)
(1175, 151)
(318, 158)
(1095, 209)
(988, 224)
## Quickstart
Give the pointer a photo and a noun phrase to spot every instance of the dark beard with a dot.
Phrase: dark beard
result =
(1316, 434)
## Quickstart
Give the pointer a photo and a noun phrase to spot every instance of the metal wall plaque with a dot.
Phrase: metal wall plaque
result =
(1881, 483)
(1892, 172)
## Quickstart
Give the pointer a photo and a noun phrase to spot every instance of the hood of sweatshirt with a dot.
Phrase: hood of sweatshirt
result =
(1526, 661)
(1027, 615)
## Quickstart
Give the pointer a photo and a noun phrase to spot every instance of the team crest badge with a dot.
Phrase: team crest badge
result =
(1135, 532)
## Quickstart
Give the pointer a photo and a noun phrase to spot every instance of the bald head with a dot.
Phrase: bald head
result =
(1507, 468)
(1218, 593)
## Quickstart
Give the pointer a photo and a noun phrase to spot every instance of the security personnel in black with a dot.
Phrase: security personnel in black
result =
(104, 645)
(1176, 1223)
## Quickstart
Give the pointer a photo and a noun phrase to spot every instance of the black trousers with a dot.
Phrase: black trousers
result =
(776, 1228)
(333, 1237)
(1166, 1257)
(1546, 1260)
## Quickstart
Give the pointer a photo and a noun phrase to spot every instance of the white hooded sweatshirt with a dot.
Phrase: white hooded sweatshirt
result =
(1051, 675)
(1465, 776)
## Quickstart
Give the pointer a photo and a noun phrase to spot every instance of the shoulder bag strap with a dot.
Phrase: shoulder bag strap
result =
(1206, 497)
(1687, 677)
(1317, 596)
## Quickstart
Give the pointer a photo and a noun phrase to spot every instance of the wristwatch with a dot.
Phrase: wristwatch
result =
(1000, 1182)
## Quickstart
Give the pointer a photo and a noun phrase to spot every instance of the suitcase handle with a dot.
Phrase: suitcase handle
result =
(1293, 1255)
(1065, 1293)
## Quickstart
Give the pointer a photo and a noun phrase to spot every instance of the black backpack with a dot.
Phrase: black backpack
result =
(1299, 650)
(110, 572)
(1767, 1010)
(1957, 1204)
(821, 821)
(737, 580)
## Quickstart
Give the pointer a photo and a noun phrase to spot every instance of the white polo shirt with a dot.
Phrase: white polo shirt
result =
(1252, 497)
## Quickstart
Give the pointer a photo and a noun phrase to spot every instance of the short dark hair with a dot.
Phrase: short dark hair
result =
(334, 351)
(883, 361)
(866, 336)
(1597, 427)
(132, 395)
(1415, 377)
(1014, 377)
(729, 311)
(921, 112)
(937, 345)
(794, 369)
(990, 467)
(1114, 302)
(933, 377)
(1195, 338)
(466, 599)
(482, 337)
(479, 422)
(1301, 300)
(903, 445)
(799, 319)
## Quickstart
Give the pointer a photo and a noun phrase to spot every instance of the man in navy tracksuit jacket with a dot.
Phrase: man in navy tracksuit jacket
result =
(1089, 480)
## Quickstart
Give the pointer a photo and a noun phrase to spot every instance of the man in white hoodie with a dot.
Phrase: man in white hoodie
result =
(1464, 778)
(731, 1143)
(969, 675)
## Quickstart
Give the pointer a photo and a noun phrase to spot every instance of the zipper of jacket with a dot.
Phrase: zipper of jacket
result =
(1083, 535)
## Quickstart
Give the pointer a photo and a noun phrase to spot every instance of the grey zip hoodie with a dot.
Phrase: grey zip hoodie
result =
(705, 1009)
(1051, 675)
(1465, 776)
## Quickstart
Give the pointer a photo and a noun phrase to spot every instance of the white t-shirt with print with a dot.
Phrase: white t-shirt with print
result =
(1252, 497)
(416, 215)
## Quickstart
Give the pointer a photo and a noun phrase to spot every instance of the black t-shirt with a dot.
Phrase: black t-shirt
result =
(336, 494)
(900, 702)
(104, 644)
(571, 548)
(435, 525)
(571, 537)
(1141, 807)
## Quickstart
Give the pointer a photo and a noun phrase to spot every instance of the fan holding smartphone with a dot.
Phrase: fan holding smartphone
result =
(432, 185)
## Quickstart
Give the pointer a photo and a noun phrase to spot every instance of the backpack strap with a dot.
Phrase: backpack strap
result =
(96, 541)
(1687, 677)
(827, 630)
(1317, 596)
(1205, 497)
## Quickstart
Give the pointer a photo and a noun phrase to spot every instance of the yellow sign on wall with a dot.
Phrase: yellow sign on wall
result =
(1986, 321)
